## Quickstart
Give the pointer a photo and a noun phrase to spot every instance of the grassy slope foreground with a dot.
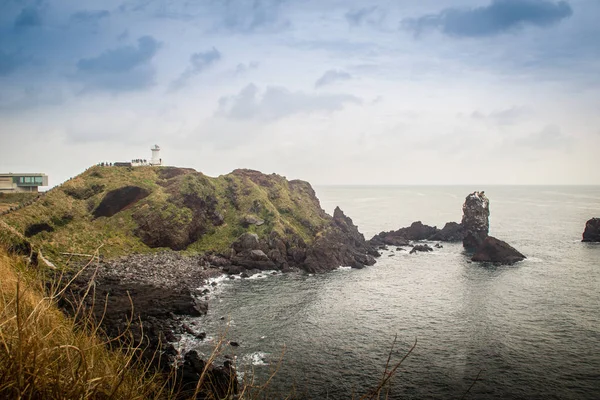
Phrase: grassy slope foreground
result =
(46, 355)
(136, 210)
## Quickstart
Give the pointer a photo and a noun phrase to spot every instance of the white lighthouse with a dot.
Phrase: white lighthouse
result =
(156, 160)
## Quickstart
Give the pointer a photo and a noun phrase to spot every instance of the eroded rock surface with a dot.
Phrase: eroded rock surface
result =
(340, 245)
(475, 220)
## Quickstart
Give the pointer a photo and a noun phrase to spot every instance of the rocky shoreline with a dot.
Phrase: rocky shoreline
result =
(151, 296)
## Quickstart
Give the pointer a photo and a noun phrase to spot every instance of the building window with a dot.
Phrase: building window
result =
(38, 179)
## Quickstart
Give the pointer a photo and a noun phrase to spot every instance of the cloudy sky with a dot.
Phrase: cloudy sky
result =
(333, 92)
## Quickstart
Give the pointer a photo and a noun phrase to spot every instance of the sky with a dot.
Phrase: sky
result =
(332, 92)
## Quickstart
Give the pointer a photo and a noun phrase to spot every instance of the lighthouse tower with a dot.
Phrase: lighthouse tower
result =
(156, 160)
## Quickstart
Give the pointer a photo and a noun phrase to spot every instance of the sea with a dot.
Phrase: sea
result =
(448, 328)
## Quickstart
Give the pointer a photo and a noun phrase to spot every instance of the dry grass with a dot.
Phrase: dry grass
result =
(45, 355)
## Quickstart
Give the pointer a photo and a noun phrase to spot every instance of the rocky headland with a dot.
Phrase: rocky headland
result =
(157, 235)
(591, 232)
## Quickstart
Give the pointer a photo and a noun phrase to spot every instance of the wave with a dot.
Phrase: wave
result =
(256, 358)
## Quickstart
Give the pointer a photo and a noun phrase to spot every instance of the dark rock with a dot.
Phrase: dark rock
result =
(451, 232)
(421, 247)
(246, 241)
(497, 251)
(234, 344)
(218, 261)
(340, 245)
(220, 382)
(252, 220)
(278, 258)
(253, 259)
(438, 246)
(201, 336)
(475, 220)
(592, 231)
(119, 199)
(417, 231)
(234, 269)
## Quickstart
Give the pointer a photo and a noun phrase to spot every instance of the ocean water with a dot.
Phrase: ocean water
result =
(527, 331)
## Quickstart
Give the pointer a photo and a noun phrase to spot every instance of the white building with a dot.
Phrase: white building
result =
(156, 160)
(27, 182)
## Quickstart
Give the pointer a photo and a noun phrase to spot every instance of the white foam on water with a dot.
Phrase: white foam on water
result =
(256, 358)
(341, 268)
(534, 260)
(262, 275)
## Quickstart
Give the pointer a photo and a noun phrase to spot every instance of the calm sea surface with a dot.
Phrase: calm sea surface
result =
(531, 331)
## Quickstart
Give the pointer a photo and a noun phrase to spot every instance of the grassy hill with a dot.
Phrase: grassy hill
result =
(146, 209)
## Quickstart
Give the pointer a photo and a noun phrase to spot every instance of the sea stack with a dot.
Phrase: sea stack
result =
(476, 226)
(592, 231)
(475, 220)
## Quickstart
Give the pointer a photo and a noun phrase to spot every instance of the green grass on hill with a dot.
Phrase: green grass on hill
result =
(182, 204)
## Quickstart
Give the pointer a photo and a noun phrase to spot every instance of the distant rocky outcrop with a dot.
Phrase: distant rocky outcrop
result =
(452, 232)
(475, 223)
(497, 251)
(592, 231)
(475, 220)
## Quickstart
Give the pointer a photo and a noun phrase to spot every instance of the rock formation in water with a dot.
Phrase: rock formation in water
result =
(475, 220)
(592, 231)
(421, 247)
(497, 251)
(452, 232)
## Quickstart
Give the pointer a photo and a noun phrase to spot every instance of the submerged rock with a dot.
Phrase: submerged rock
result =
(592, 231)
(497, 251)
(475, 220)
(421, 247)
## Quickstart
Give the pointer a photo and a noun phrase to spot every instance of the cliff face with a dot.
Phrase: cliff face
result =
(475, 220)
(137, 210)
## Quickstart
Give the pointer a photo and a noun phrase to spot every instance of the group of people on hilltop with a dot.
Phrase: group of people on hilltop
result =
(136, 161)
